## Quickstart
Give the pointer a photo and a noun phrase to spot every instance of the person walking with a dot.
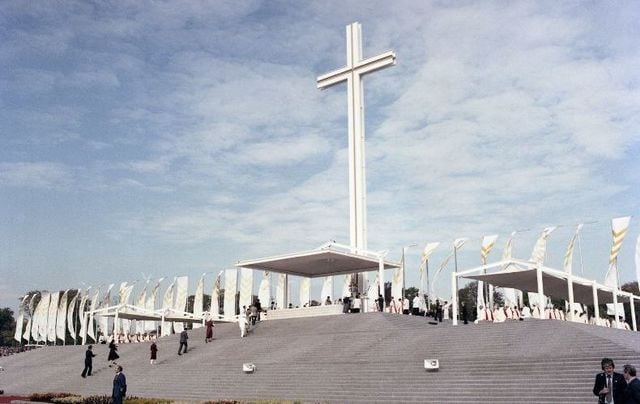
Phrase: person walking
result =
(119, 386)
(183, 342)
(154, 353)
(88, 361)
(209, 330)
(113, 355)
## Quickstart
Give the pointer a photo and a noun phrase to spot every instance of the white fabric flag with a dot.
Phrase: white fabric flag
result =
(90, 320)
(327, 290)
(27, 330)
(396, 284)
(214, 308)
(619, 227)
(182, 286)
(20, 320)
(512, 297)
(424, 261)
(61, 324)
(457, 244)
(538, 256)
(150, 305)
(43, 317)
(140, 303)
(230, 286)
(70, 315)
(305, 290)
(246, 287)
(264, 292)
(103, 320)
(53, 316)
(125, 294)
(372, 294)
(487, 245)
(638, 261)
(82, 315)
(168, 297)
(280, 291)
(568, 256)
(540, 248)
(198, 300)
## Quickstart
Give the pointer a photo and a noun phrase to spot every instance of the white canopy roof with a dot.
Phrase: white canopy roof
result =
(328, 259)
(522, 275)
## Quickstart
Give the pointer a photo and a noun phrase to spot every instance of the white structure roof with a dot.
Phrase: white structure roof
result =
(328, 259)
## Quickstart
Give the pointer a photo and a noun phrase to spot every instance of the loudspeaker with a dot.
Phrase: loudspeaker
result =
(431, 364)
(248, 367)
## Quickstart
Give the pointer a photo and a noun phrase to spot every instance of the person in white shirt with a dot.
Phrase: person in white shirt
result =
(405, 306)
(416, 305)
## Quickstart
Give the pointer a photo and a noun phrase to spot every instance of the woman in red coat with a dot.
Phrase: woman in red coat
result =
(209, 330)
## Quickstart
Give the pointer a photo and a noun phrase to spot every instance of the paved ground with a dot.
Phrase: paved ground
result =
(354, 358)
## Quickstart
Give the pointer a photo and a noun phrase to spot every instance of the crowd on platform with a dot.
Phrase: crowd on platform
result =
(12, 350)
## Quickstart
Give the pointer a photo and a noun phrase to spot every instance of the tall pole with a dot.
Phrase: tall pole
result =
(428, 295)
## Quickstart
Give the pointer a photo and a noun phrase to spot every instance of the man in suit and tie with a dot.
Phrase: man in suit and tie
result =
(609, 385)
(632, 392)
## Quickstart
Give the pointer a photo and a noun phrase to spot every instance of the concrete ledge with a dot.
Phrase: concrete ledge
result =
(301, 312)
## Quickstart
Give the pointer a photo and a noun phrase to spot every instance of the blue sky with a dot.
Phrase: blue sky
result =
(147, 139)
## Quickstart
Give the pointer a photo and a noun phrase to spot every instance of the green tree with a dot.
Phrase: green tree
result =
(411, 292)
(7, 326)
(469, 296)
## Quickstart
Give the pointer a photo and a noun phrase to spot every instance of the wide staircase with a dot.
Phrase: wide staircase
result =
(351, 358)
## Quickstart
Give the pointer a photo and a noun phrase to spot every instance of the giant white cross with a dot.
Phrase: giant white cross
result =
(352, 73)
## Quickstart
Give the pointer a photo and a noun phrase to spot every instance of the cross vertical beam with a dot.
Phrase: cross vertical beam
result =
(352, 73)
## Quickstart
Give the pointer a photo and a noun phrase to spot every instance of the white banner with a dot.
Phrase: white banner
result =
(509, 294)
(92, 307)
(230, 286)
(540, 248)
(70, 315)
(214, 308)
(619, 227)
(150, 304)
(140, 303)
(568, 256)
(20, 320)
(264, 291)
(61, 324)
(82, 315)
(103, 327)
(43, 317)
(182, 286)
(246, 287)
(198, 300)
(280, 291)
(53, 316)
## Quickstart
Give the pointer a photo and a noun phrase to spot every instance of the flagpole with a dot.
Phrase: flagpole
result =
(428, 295)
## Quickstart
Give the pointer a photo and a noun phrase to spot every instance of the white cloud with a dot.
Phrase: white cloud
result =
(36, 175)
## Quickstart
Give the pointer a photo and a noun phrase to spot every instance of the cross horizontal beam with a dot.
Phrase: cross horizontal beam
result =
(363, 67)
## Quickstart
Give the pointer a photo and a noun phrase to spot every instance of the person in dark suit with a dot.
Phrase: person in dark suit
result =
(88, 362)
(183, 342)
(119, 386)
(380, 303)
(609, 384)
(632, 392)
